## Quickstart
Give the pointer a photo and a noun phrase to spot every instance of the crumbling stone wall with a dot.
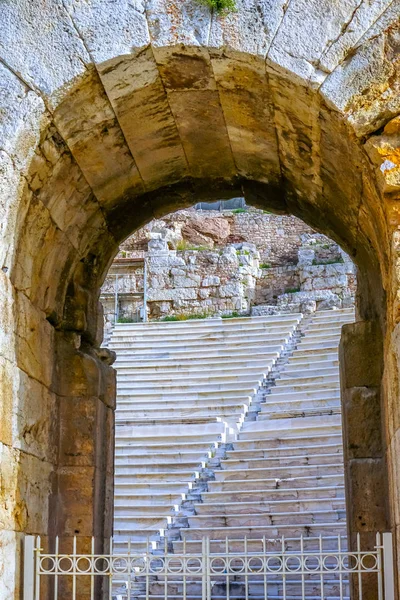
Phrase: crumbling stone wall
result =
(218, 277)
(113, 116)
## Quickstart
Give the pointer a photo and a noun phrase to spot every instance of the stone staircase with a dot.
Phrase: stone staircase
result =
(229, 429)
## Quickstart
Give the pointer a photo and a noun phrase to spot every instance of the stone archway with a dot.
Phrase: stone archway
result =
(116, 113)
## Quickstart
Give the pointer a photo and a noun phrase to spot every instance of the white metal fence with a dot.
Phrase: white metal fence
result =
(209, 569)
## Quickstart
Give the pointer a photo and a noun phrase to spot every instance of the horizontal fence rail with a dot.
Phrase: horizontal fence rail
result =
(285, 568)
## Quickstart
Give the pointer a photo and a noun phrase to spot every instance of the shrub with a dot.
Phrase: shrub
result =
(125, 320)
(239, 211)
(221, 7)
(183, 245)
(185, 317)
(233, 315)
(329, 261)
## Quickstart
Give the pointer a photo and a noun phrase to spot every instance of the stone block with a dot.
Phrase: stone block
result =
(82, 431)
(367, 510)
(35, 341)
(211, 281)
(77, 373)
(362, 422)
(361, 359)
(25, 491)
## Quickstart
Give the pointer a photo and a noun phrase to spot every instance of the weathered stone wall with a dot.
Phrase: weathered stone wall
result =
(115, 113)
(189, 282)
(218, 277)
(277, 237)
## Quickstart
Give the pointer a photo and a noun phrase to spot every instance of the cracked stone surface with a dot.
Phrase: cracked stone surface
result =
(116, 112)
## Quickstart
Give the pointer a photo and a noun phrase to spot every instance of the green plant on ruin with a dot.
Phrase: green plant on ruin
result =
(222, 7)
(233, 315)
(265, 266)
(292, 290)
(239, 211)
(329, 261)
(185, 317)
(183, 245)
(125, 320)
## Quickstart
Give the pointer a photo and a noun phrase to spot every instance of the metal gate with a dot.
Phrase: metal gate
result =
(210, 569)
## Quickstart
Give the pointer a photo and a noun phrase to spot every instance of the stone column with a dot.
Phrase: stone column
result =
(361, 370)
(85, 385)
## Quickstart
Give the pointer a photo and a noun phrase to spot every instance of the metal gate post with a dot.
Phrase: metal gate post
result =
(29, 567)
(388, 566)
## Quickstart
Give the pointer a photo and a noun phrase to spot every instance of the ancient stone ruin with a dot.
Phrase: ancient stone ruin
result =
(205, 263)
(115, 113)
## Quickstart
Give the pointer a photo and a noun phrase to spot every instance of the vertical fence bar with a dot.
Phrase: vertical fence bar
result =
(29, 567)
(303, 583)
(359, 567)
(147, 570)
(184, 563)
(379, 565)
(228, 579)
(246, 577)
(204, 569)
(321, 565)
(116, 300)
(37, 568)
(283, 569)
(388, 566)
(92, 571)
(110, 574)
(264, 566)
(340, 566)
(208, 567)
(74, 569)
(57, 547)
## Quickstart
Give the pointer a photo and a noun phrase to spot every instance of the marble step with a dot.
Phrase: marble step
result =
(277, 395)
(284, 482)
(331, 542)
(171, 344)
(206, 324)
(173, 446)
(267, 495)
(140, 487)
(193, 368)
(290, 427)
(152, 502)
(295, 373)
(261, 519)
(289, 441)
(311, 379)
(236, 394)
(240, 360)
(161, 388)
(302, 413)
(255, 585)
(170, 377)
(294, 530)
(183, 413)
(271, 506)
(163, 433)
(202, 351)
(162, 459)
(298, 359)
(268, 409)
(280, 472)
(285, 451)
(281, 461)
(136, 404)
(311, 365)
(136, 476)
(157, 468)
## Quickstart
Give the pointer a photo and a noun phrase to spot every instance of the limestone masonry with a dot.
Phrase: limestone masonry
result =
(114, 113)
(208, 263)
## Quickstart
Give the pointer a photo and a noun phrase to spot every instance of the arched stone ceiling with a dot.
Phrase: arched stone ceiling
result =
(114, 112)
